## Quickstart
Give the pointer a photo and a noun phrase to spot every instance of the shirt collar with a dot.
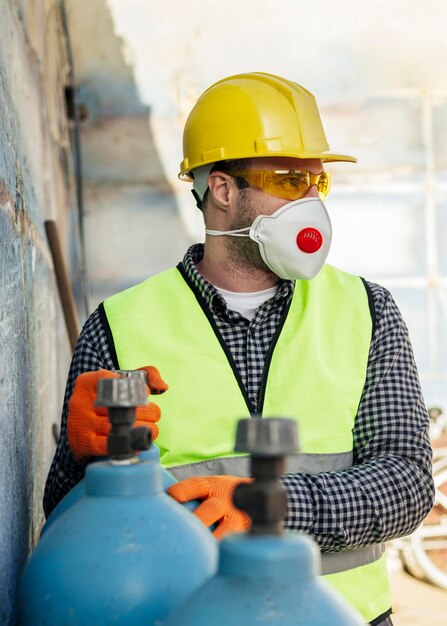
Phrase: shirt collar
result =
(208, 292)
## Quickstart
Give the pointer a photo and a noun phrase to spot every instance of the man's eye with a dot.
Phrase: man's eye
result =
(292, 182)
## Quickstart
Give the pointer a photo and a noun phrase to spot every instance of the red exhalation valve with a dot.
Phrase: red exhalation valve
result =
(309, 240)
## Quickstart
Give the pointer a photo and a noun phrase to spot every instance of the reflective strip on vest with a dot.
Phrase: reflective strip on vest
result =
(334, 562)
(304, 463)
(240, 465)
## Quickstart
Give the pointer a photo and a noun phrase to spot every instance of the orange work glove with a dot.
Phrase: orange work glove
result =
(217, 506)
(88, 425)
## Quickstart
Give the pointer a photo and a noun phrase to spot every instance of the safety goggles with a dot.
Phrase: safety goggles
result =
(288, 184)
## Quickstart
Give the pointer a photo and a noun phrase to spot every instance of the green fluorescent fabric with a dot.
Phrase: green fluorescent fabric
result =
(314, 374)
(317, 369)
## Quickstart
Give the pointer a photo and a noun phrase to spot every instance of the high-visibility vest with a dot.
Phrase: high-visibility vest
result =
(314, 373)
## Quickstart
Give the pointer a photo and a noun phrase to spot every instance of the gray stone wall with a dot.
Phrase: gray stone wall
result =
(132, 229)
(34, 348)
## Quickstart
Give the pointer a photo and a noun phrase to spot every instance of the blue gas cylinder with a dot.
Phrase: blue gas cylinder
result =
(265, 576)
(152, 454)
(125, 552)
(265, 580)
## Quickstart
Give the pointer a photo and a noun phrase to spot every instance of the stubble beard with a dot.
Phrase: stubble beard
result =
(242, 252)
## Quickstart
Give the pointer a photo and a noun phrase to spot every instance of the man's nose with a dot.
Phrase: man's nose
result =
(312, 193)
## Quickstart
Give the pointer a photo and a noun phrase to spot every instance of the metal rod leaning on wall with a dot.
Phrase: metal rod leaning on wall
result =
(63, 284)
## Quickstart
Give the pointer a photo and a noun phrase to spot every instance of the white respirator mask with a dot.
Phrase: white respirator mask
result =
(294, 241)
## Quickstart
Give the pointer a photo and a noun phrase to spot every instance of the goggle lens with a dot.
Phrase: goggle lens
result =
(288, 184)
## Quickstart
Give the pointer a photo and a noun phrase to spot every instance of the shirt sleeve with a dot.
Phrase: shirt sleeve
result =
(92, 352)
(389, 489)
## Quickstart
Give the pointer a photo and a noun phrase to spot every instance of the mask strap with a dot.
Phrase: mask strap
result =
(197, 199)
(233, 233)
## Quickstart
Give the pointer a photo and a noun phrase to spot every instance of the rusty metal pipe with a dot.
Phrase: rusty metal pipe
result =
(63, 283)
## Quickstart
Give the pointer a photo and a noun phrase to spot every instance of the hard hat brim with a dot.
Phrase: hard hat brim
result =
(331, 158)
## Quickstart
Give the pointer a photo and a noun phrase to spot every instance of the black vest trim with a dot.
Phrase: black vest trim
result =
(378, 620)
(108, 332)
(372, 308)
(268, 358)
(224, 346)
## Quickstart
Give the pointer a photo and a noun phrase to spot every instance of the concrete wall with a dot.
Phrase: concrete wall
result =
(34, 349)
(132, 229)
(132, 223)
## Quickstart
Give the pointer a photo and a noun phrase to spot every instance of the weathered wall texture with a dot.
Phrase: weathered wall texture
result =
(131, 218)
(132, 223)
(34, 350)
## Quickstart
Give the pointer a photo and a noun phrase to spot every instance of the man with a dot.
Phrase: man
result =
(254, 322)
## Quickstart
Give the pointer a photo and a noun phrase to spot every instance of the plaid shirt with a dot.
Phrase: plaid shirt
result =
(389, 489)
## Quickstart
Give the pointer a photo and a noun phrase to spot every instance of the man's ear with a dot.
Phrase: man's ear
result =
(221, 187)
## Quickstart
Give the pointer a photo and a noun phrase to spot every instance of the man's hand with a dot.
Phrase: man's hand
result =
(88, 425)
(217, 506)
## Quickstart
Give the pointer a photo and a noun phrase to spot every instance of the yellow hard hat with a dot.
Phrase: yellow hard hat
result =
(254, 115)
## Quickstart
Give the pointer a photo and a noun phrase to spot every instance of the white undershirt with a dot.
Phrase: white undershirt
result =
(247, 303)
